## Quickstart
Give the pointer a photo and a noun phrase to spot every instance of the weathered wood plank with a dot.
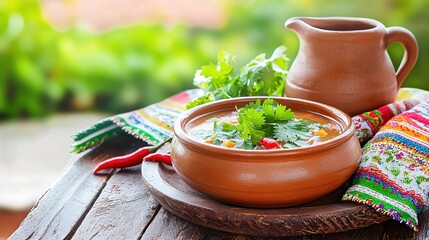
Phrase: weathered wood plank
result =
(167, 226)
(122, 211)
(58, 211)
(61, 209)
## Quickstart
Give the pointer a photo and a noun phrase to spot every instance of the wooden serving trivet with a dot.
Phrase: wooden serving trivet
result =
(324, 215)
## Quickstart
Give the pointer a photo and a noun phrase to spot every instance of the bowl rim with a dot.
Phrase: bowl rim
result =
(180, 134)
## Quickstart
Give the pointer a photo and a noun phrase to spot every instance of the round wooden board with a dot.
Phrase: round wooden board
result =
(325, 215)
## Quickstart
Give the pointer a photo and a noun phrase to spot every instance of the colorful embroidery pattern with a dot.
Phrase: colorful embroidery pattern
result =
(153, 124)
(393, 176)
(367, 124)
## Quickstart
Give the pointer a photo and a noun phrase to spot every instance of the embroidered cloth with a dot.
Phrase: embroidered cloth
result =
(152, 124)
(393, 175)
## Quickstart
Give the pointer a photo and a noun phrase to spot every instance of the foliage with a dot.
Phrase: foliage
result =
(256, 120)
(43, 70)
(260, 77)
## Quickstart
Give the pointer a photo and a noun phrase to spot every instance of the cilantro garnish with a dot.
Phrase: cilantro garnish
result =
(273, 120)
(292, 131)
(260, 77)
(250, 124)
(206, 98)
(256, 119)
(267, 119)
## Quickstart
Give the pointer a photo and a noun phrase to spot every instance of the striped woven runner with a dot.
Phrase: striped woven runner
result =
(393, 175)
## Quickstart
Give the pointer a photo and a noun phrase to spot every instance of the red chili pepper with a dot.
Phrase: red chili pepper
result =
(159, 157)
(269, 143)
(128, 160)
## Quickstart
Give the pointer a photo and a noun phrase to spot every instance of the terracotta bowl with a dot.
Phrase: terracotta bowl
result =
(265, 178)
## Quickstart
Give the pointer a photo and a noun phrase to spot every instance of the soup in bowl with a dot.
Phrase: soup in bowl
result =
(263, 126)
(264, 152)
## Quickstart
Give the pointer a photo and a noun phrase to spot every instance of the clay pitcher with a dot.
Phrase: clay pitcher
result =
(343, 62)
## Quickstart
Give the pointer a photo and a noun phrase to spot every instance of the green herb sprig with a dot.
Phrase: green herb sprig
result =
(258, 120)
(260, 77)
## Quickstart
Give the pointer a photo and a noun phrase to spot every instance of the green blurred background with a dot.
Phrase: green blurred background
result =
(46, 69)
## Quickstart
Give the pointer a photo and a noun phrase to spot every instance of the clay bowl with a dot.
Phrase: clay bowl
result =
(265, 178)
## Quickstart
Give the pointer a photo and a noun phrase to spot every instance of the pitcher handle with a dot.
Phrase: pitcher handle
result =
(408, 41)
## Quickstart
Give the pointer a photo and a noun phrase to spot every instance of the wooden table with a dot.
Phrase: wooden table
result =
(80, 205)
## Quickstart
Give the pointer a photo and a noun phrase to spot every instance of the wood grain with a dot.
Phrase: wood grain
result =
(59, 212)
(123, 209)
(166, 226)
(62, 207)
(326, 215)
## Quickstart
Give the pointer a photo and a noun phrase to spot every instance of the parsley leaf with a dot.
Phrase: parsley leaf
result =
(253, 105)
(283, 114)
(215, 76)
(269, 109)
(292, 131)
(244, 144)
(259, 77)
(276, 112)
(250, 123)
(257, 120)
(298, 143)
(263, 76)
(206, 98)
(225, 127)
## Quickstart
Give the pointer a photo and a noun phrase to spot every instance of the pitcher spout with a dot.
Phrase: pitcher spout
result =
(296, 24)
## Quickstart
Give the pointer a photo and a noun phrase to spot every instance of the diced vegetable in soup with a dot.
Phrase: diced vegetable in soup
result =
(266, 125)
